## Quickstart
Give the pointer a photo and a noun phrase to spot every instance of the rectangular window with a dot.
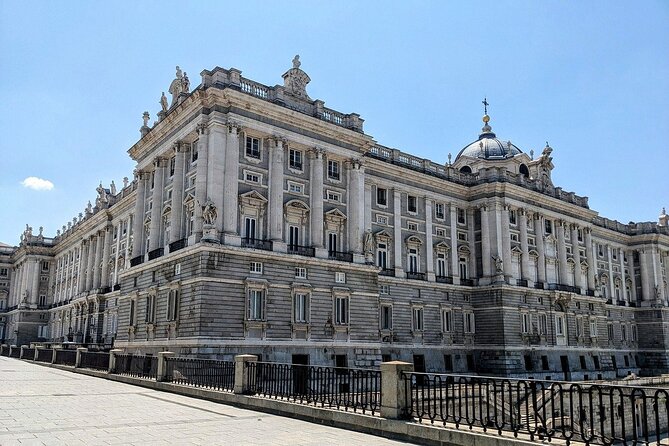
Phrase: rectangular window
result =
(412, 226)
(525, 324)
(250, 228)
(381, 196)
(255, 267)
(411, 203)
(341, 310)
(252, 147)
(413, 260)
(634, 333)
(439, 210)
(610, 332)
(334, 196)
(173, 161)
(470, 326)
(42, 300)
(382, 255)
(381, 219)
(252, 177)
(173, 305)
(194, 152)
(4, 272)
(623, 332)
(150, 315)
(300, 272)
(513, 217)
(448, 363)
(386, 317)
(543, 324)
(441, 264)
(580, 234)
(45, 266)
(441, 232)
(447, 321)
(295, 188)
(295, 158)
(548, 226)
(294, 237)
(177, 269)
(333, 170)
(593, 328)
(332, 243)
(384, 289)
(256, 305)
(340, 277)
(595, 359)
(417, 318)
(300, 307)
(462, 216)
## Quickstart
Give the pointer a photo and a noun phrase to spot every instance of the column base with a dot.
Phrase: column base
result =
(431, 277)
(279, 246)
(399, 272)
(211, 235)
(232, 240)
(359, 258)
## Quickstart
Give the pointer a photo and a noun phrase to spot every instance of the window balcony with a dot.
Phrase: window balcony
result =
(444, 279)
(117, 287)
(341, 256)
(467, 282)
(539, 285)
(521, 282)
(622, 303)
(104, 290)
(390, 272)
(415, 275)
(590, 293)
(155, 253)
(179, 244)
(306, 251)
(137, 261)
(265, 245)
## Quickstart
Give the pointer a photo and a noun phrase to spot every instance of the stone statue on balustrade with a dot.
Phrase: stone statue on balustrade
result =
(368, 247)
(176, 87)
(499, 265)
(209, 216)
(163, 102)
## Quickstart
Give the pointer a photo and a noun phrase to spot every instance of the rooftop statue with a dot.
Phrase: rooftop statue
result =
(295, 80)
(185, 84)
(112, 188)
(163, 102)
(176, 86)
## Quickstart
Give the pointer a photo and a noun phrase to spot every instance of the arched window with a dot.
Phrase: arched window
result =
(466, 169)
(523, 170)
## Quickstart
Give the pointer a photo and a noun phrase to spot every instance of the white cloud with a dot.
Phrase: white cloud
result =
(37, 183)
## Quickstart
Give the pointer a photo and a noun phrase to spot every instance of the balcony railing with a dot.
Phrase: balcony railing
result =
(105, 290)
(137, 261)
(590, 293)
(306, 251)
(179, 244)
(560, 287)
(116, 287)
(444, 279)
(415, 275)
(155, 253)
(622, 303)
(521, 282)
(539, 285)
(341, 256)
(387, 272)
(467, 282)
(265, 245)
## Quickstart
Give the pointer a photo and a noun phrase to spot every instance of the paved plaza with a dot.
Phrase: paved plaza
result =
(46, 406)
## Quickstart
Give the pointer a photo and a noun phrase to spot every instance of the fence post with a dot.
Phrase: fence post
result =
(242, 375)
(55, 353)
(11, 349)
(2, 349)
(23, 348)
(37, 349)
(161, 369)
(112, 358)
(394, 398)
(80, 350)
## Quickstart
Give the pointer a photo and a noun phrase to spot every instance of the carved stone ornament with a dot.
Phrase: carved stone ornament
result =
(295, 80)
(209, 213)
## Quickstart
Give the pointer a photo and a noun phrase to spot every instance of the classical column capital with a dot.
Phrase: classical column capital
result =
(316, 152)
(354, 163)
(278, 142)
(234, 128)
(160, 162)
(201, 128)
(181, 147)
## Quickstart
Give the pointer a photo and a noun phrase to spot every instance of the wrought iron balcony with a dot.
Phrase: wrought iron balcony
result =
(467, 282)
(539, 285)
(306, 251)
(179, 244)
(104, 290)
(522, 282)
(444, 279)
(116, 287)
(415, 275)
(155, 253)
(622, 303)
(341, 256)
(590, 293)
(137, 261)
(265, 245)
(387, 272)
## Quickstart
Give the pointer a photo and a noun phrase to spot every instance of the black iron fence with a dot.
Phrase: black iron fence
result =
(206, 373)
(333, 387)
(544, 410)
(95, 360)
(28, 353)
(4, 350)
(66, 357)
(44, 355)
(136, 365)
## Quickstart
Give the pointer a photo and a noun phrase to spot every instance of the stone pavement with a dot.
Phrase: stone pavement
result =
(45, 406)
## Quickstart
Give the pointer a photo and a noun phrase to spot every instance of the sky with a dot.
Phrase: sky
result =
(589, 77)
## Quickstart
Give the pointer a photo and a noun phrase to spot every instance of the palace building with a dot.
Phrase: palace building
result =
(260, 221)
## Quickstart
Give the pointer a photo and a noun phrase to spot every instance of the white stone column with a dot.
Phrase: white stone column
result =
(609, 264)
(623, 291)
(524, 247)
(429, 248)
(562, 252)
(83, 266)
(176, 216)
(217, 140)
(90, 262)
(138, 220)
(590, 258)
(316, 200)
(276, 157)
(157, 206)
(397, 233)
(36, 271)
(471, 235)
(98, 259)
(506, 243)
(630, 262)
(201, 180)
(485, 242)
(455, 271)
(119, 232)
(106, 252)
(368, 207)
(578, 277)
(658, 289)
(356, 216)
(647, 288)
(541, 250)
(231, 189)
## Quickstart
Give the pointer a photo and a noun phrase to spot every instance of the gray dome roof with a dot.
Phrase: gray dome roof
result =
(488, 147)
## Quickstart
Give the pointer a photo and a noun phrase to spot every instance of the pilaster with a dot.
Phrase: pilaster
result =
(276, 161)
(316, 197)
(231, 189)
(157, 207)
(429, 248)
(177, 205)
(201, 179)
(397, 233)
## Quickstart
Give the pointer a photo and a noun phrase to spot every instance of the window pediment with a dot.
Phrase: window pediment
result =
(442, 246)
(252, 197)
(413, 240)
(382, 236)
(335, 214)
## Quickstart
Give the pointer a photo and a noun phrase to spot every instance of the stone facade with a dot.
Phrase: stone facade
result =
(259, 221)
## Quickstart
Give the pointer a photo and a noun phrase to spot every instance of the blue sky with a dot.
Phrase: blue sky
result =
(589, 77)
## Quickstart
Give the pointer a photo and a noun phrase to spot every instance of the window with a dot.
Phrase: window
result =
(173, 305)
(525, 324)
(413, 260)
(382, 255)
(514, 237)
(417, 319)
(581, 359)
(623, 332)
(580, 234)
(462, 216)
(384, 289)
(194, 152)
(463, 268)
(172, 165)
(548, 226)
(448, 363)
(386, 319)
(411, 203)
(381, 196)
(294, 237)
(332, 243)
(295, 158)
(256, 305)
(295, 188)
(381, 219)
(595, 359)
(150, 315)
(300, 272)
(250, 228)
(301, 308)
(610, 332)
(544, 363)
(340, 277)
(634, 333)
(255, 267)
(133, 312)
(593, 328)
(45, 266)
(543, 324)
(42, 300)
(177, 269)
(441, 232)
(439, 210)
(579, 327)
(528, 363)
(341, 310)
(252, 147)
(447, 321)
(559, 325)
(513, 217)
(462, 236)
(334, 196)
(469, 322)
(441, 264)
(412, 226)
(253, 177)
(333, 170)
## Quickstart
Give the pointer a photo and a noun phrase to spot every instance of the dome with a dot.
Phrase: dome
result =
(488, 147)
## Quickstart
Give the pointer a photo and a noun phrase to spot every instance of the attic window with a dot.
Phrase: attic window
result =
(466, 169)
(524, 170)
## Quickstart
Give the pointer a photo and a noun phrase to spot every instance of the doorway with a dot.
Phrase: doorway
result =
(564, 361)
(300, 374)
